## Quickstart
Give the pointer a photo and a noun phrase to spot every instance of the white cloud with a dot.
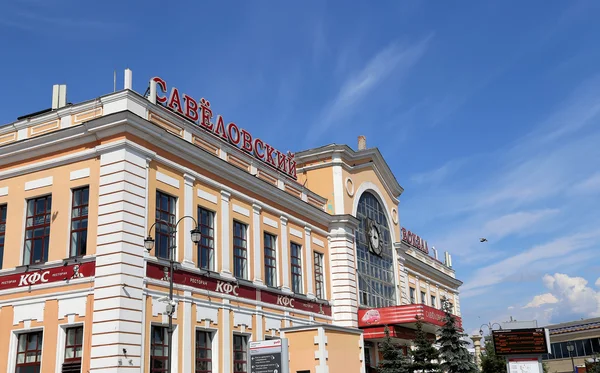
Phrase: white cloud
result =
(437, 175)
(589, 185)
(542, 299)
(574, 294)
(392, 59)
(527, 261)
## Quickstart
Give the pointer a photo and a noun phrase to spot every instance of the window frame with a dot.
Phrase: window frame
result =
(412, 294)
(243, 249)
(433, 301)
(246, 339)
(209, 348)
(73, 346)
(273, 258)
(165, 347)
(3, 216)
(159, 235)
(81, 217)
(298, 275)
(200, 247)
(47, 225)
(39, 347)
(319, 275)
(423, 298)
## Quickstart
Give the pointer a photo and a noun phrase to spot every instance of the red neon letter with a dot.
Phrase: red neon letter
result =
(163, 87)
(260, 154)
(220, 129)
(191, 108)
(175, 101)
(292, 170)
(205, 114)
(281, 161)
(246, 141)
(270, 155)
(231, 129)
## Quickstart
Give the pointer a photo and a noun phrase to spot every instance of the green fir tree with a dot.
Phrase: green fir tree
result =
(490, 362)
(453, 351)
(424, 355)
(394, 360)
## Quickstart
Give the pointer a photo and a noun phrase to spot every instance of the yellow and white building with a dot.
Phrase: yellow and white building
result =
(306, 246)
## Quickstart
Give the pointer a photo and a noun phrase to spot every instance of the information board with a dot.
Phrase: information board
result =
(530, 365)
(533, 341)
(269, 356)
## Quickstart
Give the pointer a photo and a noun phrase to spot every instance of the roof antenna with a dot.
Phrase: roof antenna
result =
(115, 81)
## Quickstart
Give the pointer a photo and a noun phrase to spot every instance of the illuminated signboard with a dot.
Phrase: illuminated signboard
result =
(414, 240)
(201, 114)
(521, 341)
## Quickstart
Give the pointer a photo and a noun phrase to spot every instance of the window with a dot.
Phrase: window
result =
(206, 246)
(376, 282)
(319, 290)
(79, 221)
(240, 249)
(2, 231)
(165, 223)
(270, 260)
(158, 350)
(296, 255)
(203, 352)
(423, 298)
(29, 353)
(451, 307)
(37, 230)
(412, 296)
(240, 357)
(73, 350)
(433, 302)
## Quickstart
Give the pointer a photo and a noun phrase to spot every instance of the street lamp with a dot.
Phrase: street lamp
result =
(571, 348)
(149, 245)
(490, 327)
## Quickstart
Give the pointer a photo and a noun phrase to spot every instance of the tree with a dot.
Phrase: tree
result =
(453, 351)
(424, 355)
(490, 362)
(394, 360)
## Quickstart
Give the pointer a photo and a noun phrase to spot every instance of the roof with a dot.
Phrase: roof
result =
(575, 326)
(350, 155)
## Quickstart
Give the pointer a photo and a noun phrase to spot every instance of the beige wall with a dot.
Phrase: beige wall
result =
(301, 347)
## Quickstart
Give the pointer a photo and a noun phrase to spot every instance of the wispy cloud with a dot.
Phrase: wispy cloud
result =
(589, 185)
(393, 59)
(535, 258)
(437, 175)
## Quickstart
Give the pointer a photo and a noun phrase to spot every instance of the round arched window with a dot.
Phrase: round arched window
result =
(376, 282)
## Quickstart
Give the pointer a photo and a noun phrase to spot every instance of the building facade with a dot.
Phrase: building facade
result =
(287, 241)
(573, 344)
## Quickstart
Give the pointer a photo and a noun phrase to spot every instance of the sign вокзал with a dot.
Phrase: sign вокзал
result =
(201, 114)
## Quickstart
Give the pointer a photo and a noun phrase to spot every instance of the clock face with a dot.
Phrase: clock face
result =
(374, 238)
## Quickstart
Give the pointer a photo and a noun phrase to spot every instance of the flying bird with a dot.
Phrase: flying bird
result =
(483, 239)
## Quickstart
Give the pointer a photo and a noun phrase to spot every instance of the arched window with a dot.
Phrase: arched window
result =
(375, 267)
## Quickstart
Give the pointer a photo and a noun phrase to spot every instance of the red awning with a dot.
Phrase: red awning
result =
(398, 315)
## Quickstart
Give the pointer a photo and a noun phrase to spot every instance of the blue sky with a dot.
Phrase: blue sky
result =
(488, 113)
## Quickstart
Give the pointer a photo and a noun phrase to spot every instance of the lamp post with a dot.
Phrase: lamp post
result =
(490, 327)
(571, 348)
(149, 245)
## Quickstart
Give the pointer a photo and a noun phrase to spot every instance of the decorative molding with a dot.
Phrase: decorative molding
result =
(3, 191)
(241, 210)
(80, 174)
(295, 232)
(207, 196)
(318, 242)
(349, 184)
(163, 178)
(39, 183)
(270, 222)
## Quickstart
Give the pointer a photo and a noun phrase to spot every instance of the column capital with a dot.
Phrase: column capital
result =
(188, 179)
(283, 220)
(225, 196)
(256, 208)
(307, 231)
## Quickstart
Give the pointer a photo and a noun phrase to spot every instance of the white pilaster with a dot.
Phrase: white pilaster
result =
(418, 290)
(187, 328)
(285, 255)
(226, 337)
(225, 234)
(260, 333)
(338, 185)
(118, 308)
(258, 276)
(188, 210)
(308, 255)
(343, 279)
(428, 300)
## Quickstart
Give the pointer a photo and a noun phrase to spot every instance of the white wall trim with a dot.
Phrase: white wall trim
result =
(258, 252)
(318, 242)
(295, 233)
(39, 183)
(80, 174)
(270, 222)
(285, 255)
(338, 184)
(225, 232)
(241, 210)
(3, 191)
(166, 179)
(207, 196)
